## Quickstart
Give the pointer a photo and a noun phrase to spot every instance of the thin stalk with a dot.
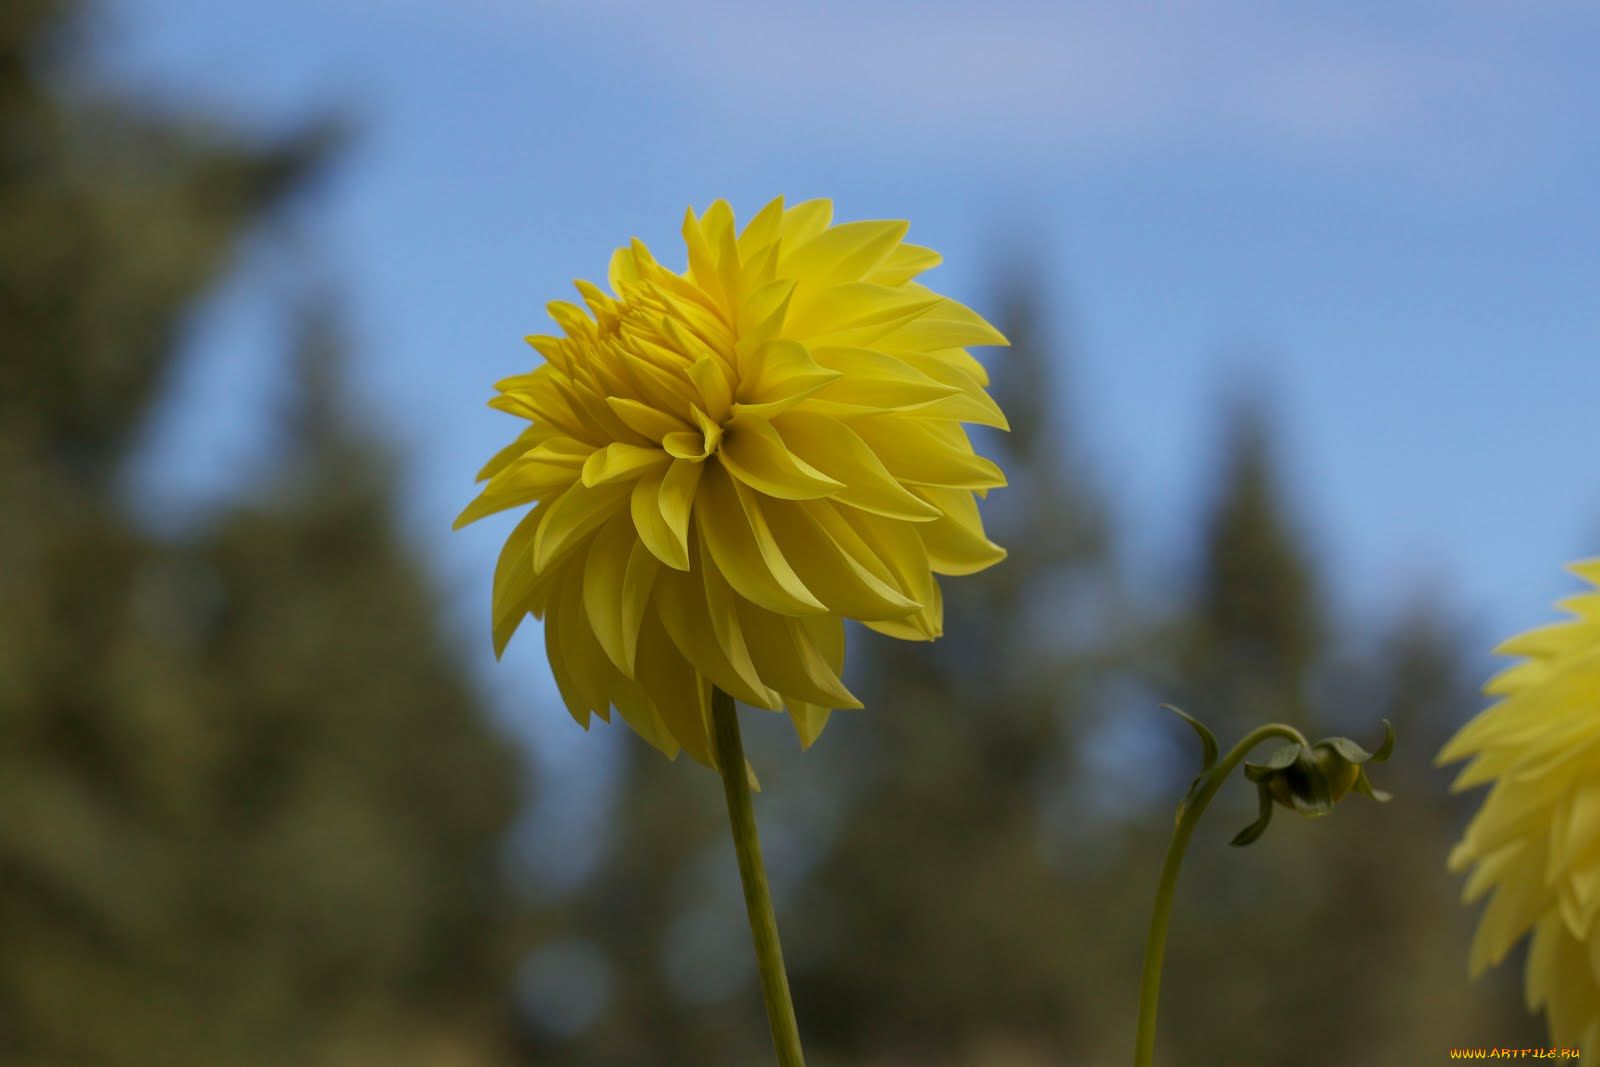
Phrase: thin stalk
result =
(753, 874)
(1189, 813)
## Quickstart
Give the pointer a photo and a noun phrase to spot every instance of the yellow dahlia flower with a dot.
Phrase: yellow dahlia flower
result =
(1536, 840)
(726, 463)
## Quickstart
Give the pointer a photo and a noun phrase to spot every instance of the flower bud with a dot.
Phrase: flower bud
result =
(1311, 779)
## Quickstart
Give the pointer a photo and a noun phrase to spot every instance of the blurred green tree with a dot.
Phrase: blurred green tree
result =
(250, 808)
(1256, 624)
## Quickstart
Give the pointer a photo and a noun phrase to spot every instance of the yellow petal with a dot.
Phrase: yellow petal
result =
(762, 229)
(624, 267)
(839, 452)
(572, 516)
(514, 579)
(930, 332)
(761, 317)
(538, 475)
(595, 421)
(827, 637)
(653, 423)
(956, 542)
(695, 329)
(754, 453)
(638, 583)
(526, 441)
(904, 263)
(559, 352)
(653, 529)
(694, 444)
(922, 452)
(702, 261)
(969, 402)
(873, 379)
(782, 649)
(710, 377)
(642, 715)
(925, 625)
(956, 359)
(583, 672)
(842, 253)
(719, 229)
(805, 220)
(547, 407)
(845, 535)
(709, 637)
(602, 576)
(841, 582)
(620, 461)
(854, 314)
(779, 375)
(760, 270)
(655, 379)
(601, 307)
(731, 521)
(899, 547)
(1511, 911)
(676, 498)
(808, 719)
(572, 696)
(570, 317)
(681, 695)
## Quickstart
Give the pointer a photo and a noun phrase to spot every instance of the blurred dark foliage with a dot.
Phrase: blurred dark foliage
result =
(250, 808)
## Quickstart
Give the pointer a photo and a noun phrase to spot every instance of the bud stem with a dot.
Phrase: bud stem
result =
(1189, 812)
(753, 875)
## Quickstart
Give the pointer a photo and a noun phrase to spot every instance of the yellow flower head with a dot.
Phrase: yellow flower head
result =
(1536, 840)
(726, 463)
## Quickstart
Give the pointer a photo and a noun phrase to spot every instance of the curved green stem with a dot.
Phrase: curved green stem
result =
(1189, 812)
(753, 875)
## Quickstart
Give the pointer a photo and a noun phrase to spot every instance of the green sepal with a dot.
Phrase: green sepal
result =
(1347, 749)
(1280, 760)
(1354, 753)
(1366, 789)
(1256, 829)
(1386, 749)
(1208, 740)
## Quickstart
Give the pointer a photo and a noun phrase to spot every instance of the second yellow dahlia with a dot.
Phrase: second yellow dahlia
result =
(727, 462)
(1536, 841)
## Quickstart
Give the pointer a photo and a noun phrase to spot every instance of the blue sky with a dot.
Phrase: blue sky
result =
(1385, 211)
